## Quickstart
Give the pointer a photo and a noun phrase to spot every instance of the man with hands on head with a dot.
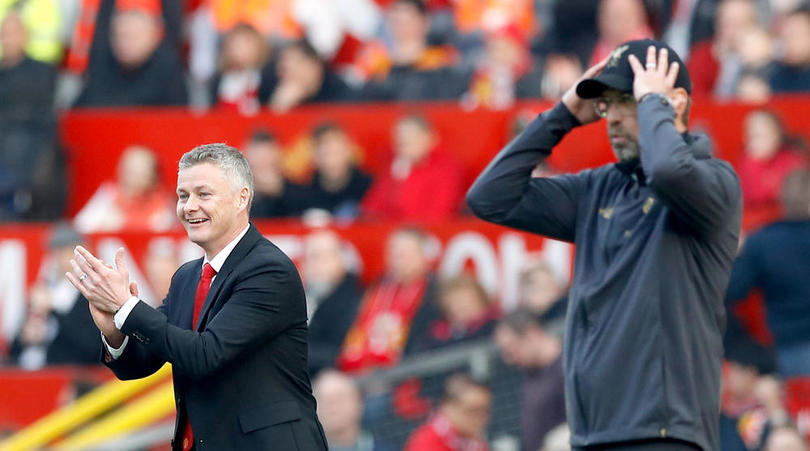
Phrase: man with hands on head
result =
(655, 234)
(233, 325)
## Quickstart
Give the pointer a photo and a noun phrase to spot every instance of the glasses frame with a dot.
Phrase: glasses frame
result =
(602, 104)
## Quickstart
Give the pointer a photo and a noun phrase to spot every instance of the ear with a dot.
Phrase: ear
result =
(680, 102)
(244, 197)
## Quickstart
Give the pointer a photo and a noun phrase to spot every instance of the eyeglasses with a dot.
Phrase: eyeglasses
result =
(624, 101)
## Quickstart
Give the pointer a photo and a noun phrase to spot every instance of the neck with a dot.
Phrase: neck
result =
(213, 250)
(11, 60)
(335, 183)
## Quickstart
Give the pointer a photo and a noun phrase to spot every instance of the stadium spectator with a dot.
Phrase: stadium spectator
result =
(767, 159)
(792, 72)
(505, 73)
(340, 409)
(58, 329)
(337, 185)
(26, 85)
(753, 87)
(134, 201)
(276, 196)
(43, 20)
(136, 64)
(715, 64)
(422, 183)
(751, 402)
(560, 72)
(571, 28)
(774, 260)
(535, 347)
(619, 21)
(333, 297)
(541, 292)
(160, 265)
(466, 313)
(785, 438)
(244, 81)
(32, 181)
(304, 78)
(405, 66)
(460, 422)
(399, 305)
(756, 51)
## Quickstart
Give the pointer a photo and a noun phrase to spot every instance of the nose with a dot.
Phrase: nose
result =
(191, 204)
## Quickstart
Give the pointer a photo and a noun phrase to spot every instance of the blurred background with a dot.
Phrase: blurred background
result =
(364, 122)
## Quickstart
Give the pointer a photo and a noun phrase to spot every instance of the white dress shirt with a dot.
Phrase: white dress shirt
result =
(122, 314)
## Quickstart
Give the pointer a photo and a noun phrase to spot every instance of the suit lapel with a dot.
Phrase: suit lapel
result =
(185, 298)
(237, 255)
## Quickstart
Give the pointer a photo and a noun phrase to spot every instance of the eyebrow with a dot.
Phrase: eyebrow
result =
(196, 187)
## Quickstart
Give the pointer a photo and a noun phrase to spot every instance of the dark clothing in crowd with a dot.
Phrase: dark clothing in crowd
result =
(405, 83)
(655, 242)
(775, 260)
(786, 79)
(330, 322)
(543, 406)
(440, 333)
(159, 81)
(290, 203)
(333, 89)
(343, 202)
(32, 180)
(75, 341)
(573, 30)
(27, 87)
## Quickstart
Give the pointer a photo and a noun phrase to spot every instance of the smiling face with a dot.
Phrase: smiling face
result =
(212, 209)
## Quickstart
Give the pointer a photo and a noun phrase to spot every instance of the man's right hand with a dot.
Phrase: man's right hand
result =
(105, 321)
(583, 108)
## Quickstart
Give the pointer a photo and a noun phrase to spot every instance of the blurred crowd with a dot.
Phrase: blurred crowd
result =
(279, 54)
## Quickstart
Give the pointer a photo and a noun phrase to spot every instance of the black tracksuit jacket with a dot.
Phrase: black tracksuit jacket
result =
(655, 242)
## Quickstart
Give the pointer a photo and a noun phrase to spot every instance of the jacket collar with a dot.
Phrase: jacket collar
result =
(237, 255)
(701, 147)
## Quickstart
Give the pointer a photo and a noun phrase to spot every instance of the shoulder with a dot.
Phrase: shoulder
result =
(264, 253)
(188, 268)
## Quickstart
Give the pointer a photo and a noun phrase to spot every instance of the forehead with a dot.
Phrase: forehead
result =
(201, 174)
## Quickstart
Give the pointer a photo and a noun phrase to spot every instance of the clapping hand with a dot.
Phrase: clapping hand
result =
(107, 288)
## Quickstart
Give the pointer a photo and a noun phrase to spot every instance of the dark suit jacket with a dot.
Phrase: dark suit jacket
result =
(242, 375)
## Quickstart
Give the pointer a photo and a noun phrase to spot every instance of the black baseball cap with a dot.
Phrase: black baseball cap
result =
(618, 74)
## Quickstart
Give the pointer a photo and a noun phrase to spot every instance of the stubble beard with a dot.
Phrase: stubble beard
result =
(628, 151)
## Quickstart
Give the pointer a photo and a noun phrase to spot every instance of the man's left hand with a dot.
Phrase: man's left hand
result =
(657, 75)
(105, 287)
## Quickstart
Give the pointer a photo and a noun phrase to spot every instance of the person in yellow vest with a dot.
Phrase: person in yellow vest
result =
(43, 20)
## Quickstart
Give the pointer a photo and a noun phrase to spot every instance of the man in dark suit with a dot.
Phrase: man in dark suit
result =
(240, 372)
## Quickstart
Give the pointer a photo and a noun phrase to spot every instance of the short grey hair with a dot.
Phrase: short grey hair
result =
(227, 158)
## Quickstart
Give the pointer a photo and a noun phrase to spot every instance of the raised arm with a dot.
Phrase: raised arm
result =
(505, 193)
(703, 191)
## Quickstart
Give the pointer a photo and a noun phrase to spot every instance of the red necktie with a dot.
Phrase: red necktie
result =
(203, 286)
